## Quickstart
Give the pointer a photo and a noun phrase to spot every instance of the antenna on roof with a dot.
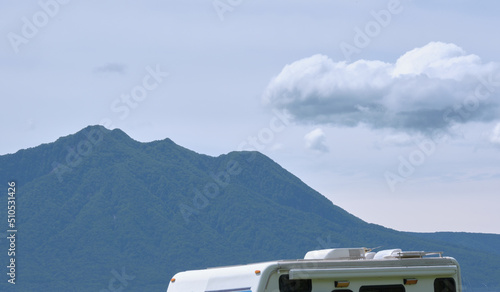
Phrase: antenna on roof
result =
(372, 249)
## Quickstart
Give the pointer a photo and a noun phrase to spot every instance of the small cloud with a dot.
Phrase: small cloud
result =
(316, 140)
(401, 139)
(495, 135)
(30, 125)
(111, 68)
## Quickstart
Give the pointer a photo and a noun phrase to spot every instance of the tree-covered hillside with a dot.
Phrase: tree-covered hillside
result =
(98, 211)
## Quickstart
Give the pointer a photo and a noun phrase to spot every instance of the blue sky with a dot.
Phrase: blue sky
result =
(388, 108)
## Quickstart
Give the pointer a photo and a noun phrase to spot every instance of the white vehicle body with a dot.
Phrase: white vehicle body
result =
(330, 270)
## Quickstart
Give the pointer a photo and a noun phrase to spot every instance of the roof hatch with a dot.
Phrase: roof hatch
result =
(336, 254)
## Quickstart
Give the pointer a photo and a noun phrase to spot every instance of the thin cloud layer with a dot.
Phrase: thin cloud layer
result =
(111, 68)
(427, 89)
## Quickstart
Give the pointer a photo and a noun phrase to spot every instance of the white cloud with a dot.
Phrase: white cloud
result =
(437, 60)
(426, 89)
(400, 139)
(495, 135)
(316, 140)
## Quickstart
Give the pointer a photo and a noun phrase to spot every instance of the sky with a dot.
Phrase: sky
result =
(391, 108)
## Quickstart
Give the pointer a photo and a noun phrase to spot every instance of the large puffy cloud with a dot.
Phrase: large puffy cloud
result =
(426, 89)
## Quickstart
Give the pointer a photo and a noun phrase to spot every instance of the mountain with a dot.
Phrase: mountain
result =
(98, 211)
(480, 241)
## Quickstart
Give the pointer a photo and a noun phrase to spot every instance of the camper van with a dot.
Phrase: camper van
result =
(331, 270)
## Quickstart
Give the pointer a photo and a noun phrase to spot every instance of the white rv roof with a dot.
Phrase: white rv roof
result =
(240, 278)
(246, 278)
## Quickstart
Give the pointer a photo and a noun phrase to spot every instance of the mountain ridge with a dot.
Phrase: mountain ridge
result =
(98, 201)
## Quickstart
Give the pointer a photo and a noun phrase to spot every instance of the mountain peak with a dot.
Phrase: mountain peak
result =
(99, 201)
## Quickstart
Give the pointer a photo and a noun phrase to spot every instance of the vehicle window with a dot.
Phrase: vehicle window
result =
(382, 288)
(287, 285)
(444, 285)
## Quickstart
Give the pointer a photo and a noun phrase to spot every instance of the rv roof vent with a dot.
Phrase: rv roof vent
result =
(399, 254)
(417, 254)
(336, 254)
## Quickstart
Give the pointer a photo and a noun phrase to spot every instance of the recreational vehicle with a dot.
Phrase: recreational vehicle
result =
(331, 270)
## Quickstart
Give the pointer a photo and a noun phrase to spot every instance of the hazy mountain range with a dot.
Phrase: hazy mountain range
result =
(98, 211)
